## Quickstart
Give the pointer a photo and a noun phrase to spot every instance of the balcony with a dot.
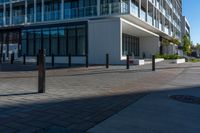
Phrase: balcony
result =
(134, 9)
(54, 15)
(18, 19)
(149, 19)
(143, 15)
(30, 18)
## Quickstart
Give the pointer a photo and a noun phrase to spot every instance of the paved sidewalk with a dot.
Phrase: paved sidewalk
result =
(76, 99)
(157, 112)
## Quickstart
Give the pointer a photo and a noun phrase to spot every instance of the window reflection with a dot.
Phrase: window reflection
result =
(60, 41)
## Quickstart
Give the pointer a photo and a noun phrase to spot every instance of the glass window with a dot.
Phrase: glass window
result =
(37, 40)
(62, 40)
(46, 41)
(72, 41)
(24, 42)
(31, 42)
(54, 41)
(81, 40)
(38, 12)
(67, 10)
(130, 45)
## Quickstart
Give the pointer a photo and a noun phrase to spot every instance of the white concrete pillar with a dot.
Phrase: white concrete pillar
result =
(26, 12)
(42, 10)
(35, 10)
(62, 9)
(11, 12)
(4, 14)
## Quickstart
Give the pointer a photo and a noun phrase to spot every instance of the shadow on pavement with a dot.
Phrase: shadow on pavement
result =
(67, 114)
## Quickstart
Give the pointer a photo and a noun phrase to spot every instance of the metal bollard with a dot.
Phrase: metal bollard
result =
(0, 58)
(107, 60)
(69, 60)
(37, 59)
(127, 62)
(41, 71)
(24, 59)
(12, 58)
(86, 60)
(52, 60)
(4, 57)
(153, 63)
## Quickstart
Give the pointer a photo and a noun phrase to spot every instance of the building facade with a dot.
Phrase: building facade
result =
(185, 26)
(89, 28)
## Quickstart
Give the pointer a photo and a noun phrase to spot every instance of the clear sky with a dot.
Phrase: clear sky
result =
(191, 9)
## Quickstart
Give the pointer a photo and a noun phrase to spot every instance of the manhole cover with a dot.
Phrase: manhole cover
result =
(186, 99)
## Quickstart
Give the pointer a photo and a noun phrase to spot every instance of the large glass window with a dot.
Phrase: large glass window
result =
(38, 12)
(81, 38)
(72, 40)
(24, 42)
(46, 41)
(54, 41)
(37, 40)
(62, 41)
(130, 45)
(30, 42)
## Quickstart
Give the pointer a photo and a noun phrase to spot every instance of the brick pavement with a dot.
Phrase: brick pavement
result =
(76, 99)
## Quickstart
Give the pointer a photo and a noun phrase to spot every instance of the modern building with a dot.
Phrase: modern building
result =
(185, 27)
(89, 28)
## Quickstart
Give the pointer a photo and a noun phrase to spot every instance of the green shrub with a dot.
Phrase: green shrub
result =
(194, 60)
(167, 56)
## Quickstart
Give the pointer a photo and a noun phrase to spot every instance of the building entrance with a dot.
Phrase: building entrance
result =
(10, 43)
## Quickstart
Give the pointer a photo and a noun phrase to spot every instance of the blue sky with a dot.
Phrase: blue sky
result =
(191, 9)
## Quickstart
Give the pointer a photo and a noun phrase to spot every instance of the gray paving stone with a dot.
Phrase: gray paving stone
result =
(79, 97)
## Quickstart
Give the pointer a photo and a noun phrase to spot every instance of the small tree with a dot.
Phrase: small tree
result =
(186, 45)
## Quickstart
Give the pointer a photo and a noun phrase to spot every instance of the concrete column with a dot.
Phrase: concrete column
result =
(153, 21)
(139, 8)
(98, 7)
(62, 9)
(129, 7)
(26, 13)
(147, 4)
(42, 10)
(4, 13)
(35, 10)
(10, 12)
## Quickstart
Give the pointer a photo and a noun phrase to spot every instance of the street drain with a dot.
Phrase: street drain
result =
(186, 99)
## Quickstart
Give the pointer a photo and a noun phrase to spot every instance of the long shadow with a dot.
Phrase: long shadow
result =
(18, 94)
(69, 115)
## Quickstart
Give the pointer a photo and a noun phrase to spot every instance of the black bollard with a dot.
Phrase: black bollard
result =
(153, 62)
(0, 58)
(41, 71)
(52, 60)
(12, 57)
(69, 60)
(107, 60)
(37, 59)
(24, 59)
(127, 62)
(4, 57)
(86, 61)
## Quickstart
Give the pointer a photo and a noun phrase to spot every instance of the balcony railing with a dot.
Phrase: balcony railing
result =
(134, 9)
(18, 19)
(53, 15)
(143, 15)
(149, 19)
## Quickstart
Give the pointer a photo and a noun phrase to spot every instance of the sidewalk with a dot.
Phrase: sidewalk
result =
(157, 112)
